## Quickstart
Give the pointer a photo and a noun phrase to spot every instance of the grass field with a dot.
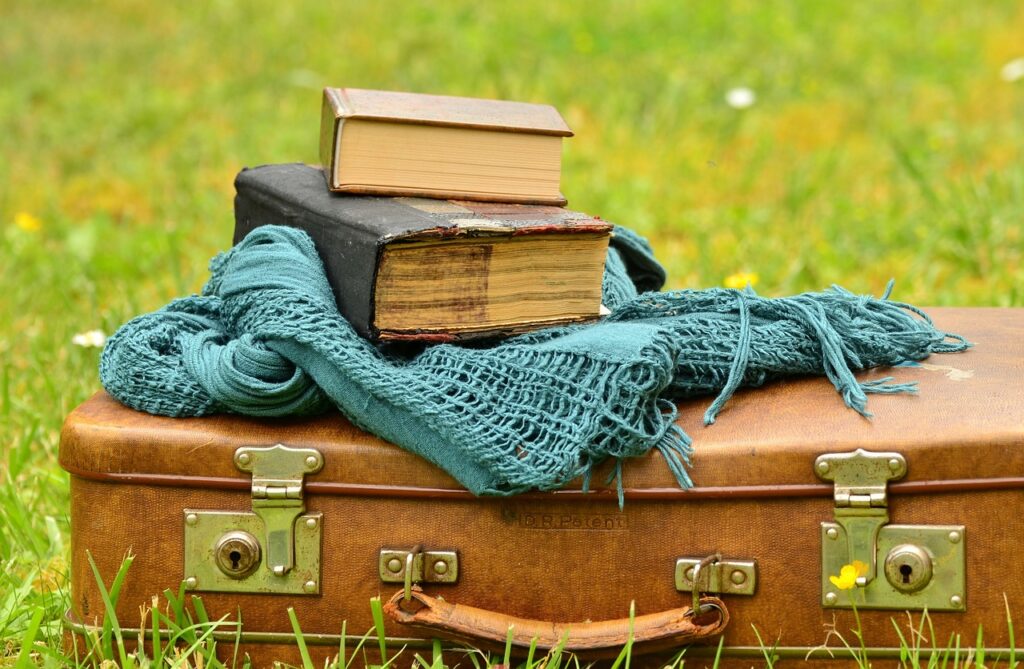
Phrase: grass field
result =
(884, 140)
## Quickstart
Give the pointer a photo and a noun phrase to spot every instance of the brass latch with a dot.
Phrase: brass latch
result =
(278, 474)
(276, 547)
(417, 566)
(922, 565)
(723, 577)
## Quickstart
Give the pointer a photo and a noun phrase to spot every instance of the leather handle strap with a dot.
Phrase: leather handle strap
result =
(489, 629)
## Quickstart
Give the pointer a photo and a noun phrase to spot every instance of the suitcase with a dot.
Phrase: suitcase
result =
(256, 516)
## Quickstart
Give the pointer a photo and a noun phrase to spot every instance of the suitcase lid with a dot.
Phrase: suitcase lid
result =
(963, 430)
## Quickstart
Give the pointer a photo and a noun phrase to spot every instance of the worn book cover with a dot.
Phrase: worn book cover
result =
(393, 143)
(436, 270)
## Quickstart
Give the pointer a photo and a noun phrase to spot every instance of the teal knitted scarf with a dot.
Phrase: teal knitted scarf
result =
(531, 412)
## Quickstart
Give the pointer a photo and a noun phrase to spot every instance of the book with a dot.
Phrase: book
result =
(391, 143)
(408, 268)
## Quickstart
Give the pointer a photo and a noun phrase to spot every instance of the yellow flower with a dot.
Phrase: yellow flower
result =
(741, 280)
(27, 221)
(848, 575)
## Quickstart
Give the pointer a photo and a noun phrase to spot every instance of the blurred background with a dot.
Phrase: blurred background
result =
(791, 144)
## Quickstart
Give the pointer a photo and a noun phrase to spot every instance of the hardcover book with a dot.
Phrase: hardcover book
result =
(391, 143)
(407, 268)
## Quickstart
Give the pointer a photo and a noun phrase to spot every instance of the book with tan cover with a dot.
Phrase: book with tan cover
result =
(392, 143)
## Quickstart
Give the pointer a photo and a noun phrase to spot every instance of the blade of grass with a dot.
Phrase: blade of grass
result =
(438, 654)
(181, 617)
(24, 660)
(238, 640)
(979, 655)
(555, 655)
(307, 661)
(342, 646)
(718, 652)
(359, 646)
(905, 652)
(507, 658)
(530, 653)
(770, 654)
(182, 660)
(110, 622)
(158, 650)
(627, 648)
(1009, 627)
(942, 664)
(377, 612)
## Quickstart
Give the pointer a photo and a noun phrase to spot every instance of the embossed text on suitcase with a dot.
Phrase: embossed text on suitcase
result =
(261, 515)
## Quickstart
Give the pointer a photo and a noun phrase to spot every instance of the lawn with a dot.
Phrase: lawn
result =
(883, 140)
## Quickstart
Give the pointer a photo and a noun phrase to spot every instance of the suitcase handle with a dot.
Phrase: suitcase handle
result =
(489, 629)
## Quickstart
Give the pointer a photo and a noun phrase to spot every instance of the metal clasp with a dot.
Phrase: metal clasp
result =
(724, 576)
(275, 548)
(278, 475)
(861, 500)
(417, 566)
(924, 565)
(699, 570)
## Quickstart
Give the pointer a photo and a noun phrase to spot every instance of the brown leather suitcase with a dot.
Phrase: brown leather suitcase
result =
(932, 506)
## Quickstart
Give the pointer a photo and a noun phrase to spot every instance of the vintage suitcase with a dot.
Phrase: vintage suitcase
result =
(790, 486)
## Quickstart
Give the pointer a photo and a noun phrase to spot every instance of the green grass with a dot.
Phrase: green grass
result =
(883, 143)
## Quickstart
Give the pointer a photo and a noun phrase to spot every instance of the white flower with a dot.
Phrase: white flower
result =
(92, 338)
(1013, 70)
(740, 98)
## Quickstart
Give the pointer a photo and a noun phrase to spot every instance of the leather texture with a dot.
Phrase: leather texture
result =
(568, 556)
(491, 629)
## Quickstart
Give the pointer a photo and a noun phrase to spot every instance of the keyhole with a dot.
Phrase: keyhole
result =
(905, 571)
(236, 557)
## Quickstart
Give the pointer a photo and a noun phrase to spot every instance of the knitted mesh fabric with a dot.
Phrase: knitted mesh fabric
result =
(530, 412)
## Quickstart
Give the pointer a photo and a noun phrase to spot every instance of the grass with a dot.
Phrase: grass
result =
(882, 143)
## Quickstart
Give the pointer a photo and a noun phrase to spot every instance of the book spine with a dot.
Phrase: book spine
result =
(332, 117)
(350, 255)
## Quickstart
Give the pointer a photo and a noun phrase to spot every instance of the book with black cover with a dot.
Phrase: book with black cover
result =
(406, 268)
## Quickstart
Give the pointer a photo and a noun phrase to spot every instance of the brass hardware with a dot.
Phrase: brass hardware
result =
(409, 558)
(276, 547)
(860, 494)
(908, 568)
(237, 554)
(277, 480)
(701, 569)
(417, 566)
(924, 565)
(724, 577)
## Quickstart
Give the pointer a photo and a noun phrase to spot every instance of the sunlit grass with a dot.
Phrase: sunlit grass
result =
(883, 142)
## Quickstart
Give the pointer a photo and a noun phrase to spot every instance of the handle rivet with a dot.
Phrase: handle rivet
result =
(440, 567)
(311, 462)
(244, 458)
(832, 533)
(823, 466)
(311, 523)
(894, 464)
(191, 519)
(394, 565)
(191, 582)
(738, 577)
(956, 601)
(831, 598)
(309, 586)
(954, 537)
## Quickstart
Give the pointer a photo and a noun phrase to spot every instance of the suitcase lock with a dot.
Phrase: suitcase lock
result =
(273, 549)
(922, 566)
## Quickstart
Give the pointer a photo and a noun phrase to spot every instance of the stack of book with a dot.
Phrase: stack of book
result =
(437, 218)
